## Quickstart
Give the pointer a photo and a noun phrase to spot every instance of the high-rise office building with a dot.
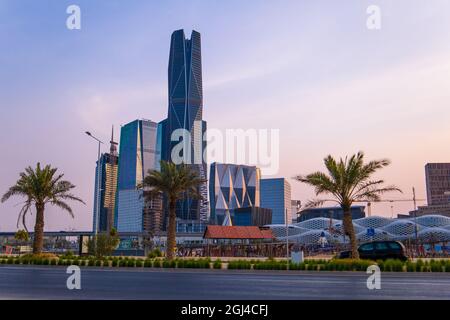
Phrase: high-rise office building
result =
(185, 113)
(276, 195)
(437, 176)
(231, 187)
(106, 171)
(437, 179)
(138, 155)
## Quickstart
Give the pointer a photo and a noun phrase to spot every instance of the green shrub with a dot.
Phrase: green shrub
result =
(67, 255)
(131, 263)
(139, 263)
(180, 263)
(446, 265)
(398, 266)
(411, 266)
(294, 266)
(239, 264)
(114, 262)
(217, 264)
(157, 264)
(421, 266)
(98, 263)
(156, 253)
(203, 263)
(435, 266)
(148, 263)
(122, 263)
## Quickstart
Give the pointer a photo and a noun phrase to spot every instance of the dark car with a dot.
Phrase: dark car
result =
(379, 250)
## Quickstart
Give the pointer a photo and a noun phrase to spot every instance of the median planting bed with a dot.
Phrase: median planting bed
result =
(111, 262)
(207, 263)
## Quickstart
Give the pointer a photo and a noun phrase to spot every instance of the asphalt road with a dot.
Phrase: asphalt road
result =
(29, 282)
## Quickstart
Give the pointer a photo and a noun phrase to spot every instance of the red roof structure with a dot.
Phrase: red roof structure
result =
(237, 232)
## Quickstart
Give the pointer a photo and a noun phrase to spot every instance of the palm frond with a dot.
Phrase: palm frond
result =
(314, 203)
(61, 204)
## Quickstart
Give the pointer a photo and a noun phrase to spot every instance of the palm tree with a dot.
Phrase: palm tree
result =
(348, 181)
(39, 187)
(176, 182)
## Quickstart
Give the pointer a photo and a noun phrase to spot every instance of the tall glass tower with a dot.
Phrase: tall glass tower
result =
(185, 112)
(138, 155)
(107, 172)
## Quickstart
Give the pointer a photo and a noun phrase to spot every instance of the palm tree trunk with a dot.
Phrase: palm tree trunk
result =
(350, 231)
(38, 241)
(171, 234)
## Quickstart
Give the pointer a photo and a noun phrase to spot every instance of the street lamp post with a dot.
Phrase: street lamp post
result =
(287, 239)
(98, 183)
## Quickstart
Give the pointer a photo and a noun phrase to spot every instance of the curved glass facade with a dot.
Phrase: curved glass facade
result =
(430, 228)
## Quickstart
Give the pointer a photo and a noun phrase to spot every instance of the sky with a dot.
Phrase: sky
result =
(311, 69)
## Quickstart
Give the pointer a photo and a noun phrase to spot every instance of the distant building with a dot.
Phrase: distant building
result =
(443, 210)
(190, 226)
(107, 172)
(231, 187)
(252, 216)
(333, 212)
(295, 209)
(437, 177)
(137, 156)
(276, 195)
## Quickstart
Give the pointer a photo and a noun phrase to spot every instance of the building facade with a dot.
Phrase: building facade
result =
(443, 210)
(106, 172)
(252, 216)
(231, 187)
(437, 177)
(138, 155)
(276, 195)
(357, 212)
(183, 130)
(431, 229)
(295, 209)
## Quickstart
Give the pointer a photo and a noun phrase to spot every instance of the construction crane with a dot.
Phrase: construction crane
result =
(413, 200)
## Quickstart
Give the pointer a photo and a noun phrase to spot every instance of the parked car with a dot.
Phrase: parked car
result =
(379, 250)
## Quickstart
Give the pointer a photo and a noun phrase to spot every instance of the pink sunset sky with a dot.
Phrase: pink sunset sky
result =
(311, 69)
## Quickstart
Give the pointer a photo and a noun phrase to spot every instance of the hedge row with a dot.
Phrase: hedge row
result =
(308, 265)
(345, 265)
(118, 262)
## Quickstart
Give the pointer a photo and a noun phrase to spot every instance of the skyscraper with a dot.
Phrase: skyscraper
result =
(276, 195)
(107, 172)
(232, 187)
(138, 155)
(437, 176)
(185, 91)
